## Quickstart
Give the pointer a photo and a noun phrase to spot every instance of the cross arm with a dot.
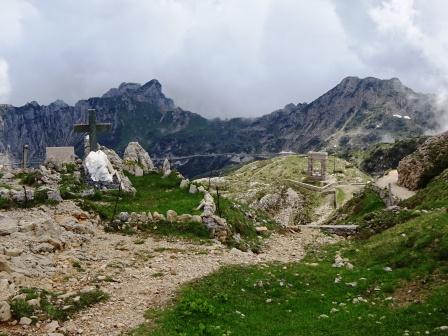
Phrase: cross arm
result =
(103, 127)
(81, 128)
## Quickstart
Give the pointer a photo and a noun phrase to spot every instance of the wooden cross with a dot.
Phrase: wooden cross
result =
(92, 128)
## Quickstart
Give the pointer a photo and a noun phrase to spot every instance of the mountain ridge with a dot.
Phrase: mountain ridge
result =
(354, 113)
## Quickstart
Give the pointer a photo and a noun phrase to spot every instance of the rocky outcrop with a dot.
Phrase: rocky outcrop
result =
(32, 236)
(118, 166)
(136, 160)
(166, 168)
(428, 161)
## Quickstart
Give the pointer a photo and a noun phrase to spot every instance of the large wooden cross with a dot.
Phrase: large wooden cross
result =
(92, 128)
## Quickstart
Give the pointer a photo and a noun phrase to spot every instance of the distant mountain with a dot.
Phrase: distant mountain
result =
(354, 114)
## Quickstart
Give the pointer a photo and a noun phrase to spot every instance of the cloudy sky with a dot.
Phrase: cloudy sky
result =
(218, 57)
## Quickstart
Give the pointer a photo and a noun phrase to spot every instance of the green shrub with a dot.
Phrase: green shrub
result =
(21, 308)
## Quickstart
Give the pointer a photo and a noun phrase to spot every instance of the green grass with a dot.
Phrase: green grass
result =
(192, 231)
(289, 299)
(29, 179)
(51, 307)
(354, 211)
(340, 196)
(154, 193)
(434, 195)
(241, 220)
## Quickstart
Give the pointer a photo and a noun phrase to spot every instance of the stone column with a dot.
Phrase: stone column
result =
(310, 166)
(323, 169)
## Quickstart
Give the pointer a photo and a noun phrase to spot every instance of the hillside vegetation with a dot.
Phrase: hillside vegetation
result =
(391, 280)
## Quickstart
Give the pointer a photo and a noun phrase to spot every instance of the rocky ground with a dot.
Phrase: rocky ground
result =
(141, 273)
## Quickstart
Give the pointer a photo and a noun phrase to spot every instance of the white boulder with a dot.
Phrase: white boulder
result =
(99, 167)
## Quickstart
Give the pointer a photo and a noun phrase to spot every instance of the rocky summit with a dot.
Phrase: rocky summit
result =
(355, 113)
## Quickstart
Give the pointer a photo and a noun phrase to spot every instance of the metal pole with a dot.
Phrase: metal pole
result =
(25, 197)
(116, 204)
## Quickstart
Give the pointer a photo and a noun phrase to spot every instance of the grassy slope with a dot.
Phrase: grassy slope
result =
(254, 180)
(288, 300)
(411, 299)
(435, 195)
(154, 193)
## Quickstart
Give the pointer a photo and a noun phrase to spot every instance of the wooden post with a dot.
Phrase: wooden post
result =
(25, 156)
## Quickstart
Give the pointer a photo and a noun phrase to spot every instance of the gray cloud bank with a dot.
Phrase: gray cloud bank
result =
(220, 58)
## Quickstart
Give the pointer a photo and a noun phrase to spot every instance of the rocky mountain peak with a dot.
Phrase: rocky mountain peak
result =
(151, 92)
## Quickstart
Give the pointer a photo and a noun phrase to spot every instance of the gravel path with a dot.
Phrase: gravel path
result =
(398, 191)
(145, 274)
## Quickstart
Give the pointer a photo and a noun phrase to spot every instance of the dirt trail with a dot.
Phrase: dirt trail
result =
(143, 274)
(398, 191)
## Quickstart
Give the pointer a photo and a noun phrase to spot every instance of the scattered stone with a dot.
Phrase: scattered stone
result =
(5, 311)
(261, 229)
(184, 183)
(123, 216)
(52, 326)
(25, 321)
(193, 189)
(13, 252)
(8, 225)
(171, 216)
(54, 195)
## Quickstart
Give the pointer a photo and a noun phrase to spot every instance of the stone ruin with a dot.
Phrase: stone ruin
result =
(322, 158)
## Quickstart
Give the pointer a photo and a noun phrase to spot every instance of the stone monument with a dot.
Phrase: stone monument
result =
(322, 158)
(60, 155)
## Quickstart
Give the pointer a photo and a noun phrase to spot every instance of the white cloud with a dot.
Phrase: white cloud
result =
(220, 57)
(5, 85)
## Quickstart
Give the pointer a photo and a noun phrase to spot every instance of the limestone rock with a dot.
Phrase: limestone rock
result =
(166, 168)
(136, 160)
(428, 161)
(185, 218)
(196, 219)
(261, 229)
(123, 216)
(98, 167)
(54, 195)
(8, 225)
(184, 183)
(4, 265)
(171, 216)
(25, 321)
(193, 189)
(157, 217)
(5, 311)
(117, 164)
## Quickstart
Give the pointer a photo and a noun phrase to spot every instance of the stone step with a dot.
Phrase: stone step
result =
(316, 226)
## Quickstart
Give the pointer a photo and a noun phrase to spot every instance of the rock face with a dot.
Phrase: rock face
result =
(136, 158)
(355, 113)
(428, 161)
(385, 156)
